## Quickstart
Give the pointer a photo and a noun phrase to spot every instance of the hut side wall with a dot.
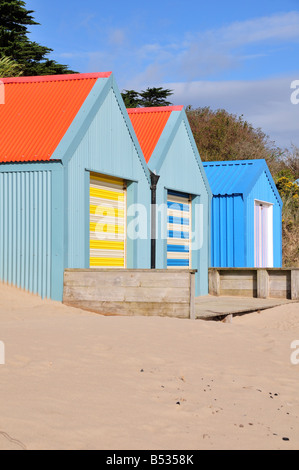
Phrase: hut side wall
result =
(31, 240)
(106, 148)
(228, 231)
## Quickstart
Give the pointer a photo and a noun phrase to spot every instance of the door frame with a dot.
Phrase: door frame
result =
(270, 233)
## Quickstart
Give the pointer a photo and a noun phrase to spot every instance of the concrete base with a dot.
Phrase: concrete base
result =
(218, 308)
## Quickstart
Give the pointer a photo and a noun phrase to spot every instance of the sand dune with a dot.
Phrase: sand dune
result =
(75, 380)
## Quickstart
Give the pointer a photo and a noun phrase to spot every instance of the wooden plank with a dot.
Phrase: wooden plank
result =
(280, 285)
(192, 297)
(263, 284)
(146, 294)
(127, 294)
(214, 282)
(93, 293)
(123, 279)
(239, 292)
(280, 294)
(134, 308)
(295, 284)
(232, 276)
(238, 284)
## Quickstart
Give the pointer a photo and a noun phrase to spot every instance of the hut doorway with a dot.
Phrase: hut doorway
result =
(179, 228)
(108, 222)
(263, 242)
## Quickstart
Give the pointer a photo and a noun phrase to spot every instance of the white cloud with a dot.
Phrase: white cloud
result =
(208, 53)
(264, 103)
(221, 49)
(282, 27)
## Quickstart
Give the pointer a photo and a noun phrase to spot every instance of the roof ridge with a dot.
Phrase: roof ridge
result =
(56, 78)
(154, 109)
(234, 162)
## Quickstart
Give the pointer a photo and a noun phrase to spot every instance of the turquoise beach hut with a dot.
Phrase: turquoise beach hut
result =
(181, 192)
(70, 167)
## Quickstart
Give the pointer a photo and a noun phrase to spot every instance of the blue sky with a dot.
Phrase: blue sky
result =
(241, 56)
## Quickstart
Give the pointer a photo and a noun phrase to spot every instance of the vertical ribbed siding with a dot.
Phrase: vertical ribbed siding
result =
(106, 148)
(228, 249)
(25, 230)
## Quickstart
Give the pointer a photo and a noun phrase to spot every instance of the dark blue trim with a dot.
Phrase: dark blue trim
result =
(175, 193)
(178, 249)
(178, 220)
(176, 234)
(176, 206)
(178, 262)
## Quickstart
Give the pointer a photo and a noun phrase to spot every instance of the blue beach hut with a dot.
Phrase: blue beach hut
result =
(246, 215)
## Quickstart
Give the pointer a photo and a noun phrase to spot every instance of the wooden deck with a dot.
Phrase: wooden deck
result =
(218, 308)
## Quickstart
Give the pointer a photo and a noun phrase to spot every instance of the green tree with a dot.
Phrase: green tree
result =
(9, 68)
(153, 97)
(14, 42)
(131, 98)
(223, 136)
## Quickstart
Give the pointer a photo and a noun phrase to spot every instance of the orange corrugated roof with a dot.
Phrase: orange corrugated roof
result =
(37, 112)
(149, 123)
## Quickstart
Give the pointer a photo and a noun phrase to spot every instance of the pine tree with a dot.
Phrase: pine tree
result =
(14, 41)
(131, 98)
(153, 97)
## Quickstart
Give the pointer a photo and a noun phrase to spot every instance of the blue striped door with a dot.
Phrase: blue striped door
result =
(179, 230)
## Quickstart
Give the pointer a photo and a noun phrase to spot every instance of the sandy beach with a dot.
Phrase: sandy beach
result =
(76, 380)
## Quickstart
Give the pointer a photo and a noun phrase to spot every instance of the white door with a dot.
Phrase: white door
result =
(263, 239)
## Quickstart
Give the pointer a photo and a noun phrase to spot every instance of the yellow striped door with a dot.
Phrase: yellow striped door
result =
(107, 222)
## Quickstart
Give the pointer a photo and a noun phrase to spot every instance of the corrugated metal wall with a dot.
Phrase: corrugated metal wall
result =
(228, 240)
(106, 148)
(180, 172)
(25, 230)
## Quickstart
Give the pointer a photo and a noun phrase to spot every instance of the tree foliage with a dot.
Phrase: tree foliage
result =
(15, 43)
(223, 136)
(151, 97)
(10, 68)
(131, 98)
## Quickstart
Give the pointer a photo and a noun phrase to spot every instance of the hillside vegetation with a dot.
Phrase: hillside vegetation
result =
(223, 136)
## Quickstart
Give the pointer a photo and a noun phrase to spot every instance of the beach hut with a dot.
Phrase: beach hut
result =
(181, 194)
(246, 215)
(70, 167)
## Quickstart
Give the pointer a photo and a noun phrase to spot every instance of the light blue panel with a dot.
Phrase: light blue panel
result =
(26, 228)
(263, 191)
(107, 147)
(58, 223)
(31, 228)
(179, 167)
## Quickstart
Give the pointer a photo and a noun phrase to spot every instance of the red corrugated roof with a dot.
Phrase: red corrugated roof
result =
(149, 123)
(38, 111)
